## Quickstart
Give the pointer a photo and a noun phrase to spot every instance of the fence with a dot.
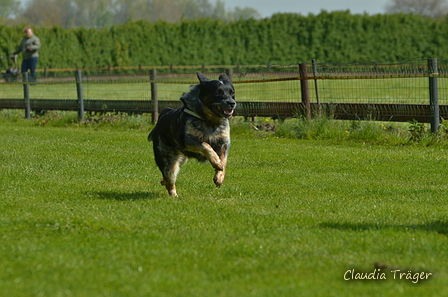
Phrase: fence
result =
(415, 89)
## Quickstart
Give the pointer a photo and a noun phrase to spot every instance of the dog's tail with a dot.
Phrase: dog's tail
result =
(150, 135)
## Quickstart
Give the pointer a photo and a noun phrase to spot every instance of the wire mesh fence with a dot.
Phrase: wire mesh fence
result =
(405, 85)
(402, 83)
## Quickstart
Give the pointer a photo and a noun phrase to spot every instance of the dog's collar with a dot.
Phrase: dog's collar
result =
(190, 112)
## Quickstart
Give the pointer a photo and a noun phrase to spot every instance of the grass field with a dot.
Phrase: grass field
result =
(82, 213)
(414, 90)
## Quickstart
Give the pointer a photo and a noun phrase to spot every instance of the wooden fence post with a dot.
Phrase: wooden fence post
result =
(303, 70)
(316, 88)
(26, 95)
(155, 103)
(229, 73)
(434, 95)
(78, 75)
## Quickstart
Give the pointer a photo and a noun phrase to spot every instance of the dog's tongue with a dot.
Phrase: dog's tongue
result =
(229, 111)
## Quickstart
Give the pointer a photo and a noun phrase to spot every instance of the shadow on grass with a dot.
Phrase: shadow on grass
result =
(440, 227)
(120, 196)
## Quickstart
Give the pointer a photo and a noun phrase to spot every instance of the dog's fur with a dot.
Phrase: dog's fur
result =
(200, 129)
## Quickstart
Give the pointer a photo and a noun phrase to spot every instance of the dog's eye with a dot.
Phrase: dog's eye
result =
(220, 92)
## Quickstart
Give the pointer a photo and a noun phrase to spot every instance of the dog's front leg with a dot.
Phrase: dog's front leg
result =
(205, 149)
(218, 162)
(219, 174)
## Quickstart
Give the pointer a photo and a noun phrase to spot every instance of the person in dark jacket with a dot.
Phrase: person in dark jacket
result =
(29, 47)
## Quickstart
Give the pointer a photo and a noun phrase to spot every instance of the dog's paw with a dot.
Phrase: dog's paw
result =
(171, 188)
(219, 178)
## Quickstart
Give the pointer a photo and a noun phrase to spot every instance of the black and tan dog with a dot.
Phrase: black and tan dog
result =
(200, 129)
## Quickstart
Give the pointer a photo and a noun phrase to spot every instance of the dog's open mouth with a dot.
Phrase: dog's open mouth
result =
(227, 112)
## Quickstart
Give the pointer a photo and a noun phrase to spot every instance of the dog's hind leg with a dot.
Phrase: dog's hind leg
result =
(170, 171)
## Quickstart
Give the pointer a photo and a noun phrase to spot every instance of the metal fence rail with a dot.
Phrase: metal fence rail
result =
(395, 92)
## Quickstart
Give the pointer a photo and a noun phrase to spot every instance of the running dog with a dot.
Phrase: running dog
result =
(200, 129)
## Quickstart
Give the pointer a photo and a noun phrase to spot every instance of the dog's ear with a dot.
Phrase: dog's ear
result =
(224, 77)
(202, 78)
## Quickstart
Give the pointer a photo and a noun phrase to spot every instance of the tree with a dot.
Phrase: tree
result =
(8, 8)
(168, 10)
(245, 13)
(149, 10)
(426, 8)
(93, 13)
(105, 13)
(46, 13)
(220, 11)
(196, 9)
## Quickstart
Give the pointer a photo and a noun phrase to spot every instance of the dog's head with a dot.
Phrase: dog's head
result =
(218, 96)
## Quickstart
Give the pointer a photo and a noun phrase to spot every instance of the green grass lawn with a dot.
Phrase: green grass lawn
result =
(82, 213)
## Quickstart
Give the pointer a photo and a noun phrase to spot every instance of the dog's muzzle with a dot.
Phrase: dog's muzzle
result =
(227, 108)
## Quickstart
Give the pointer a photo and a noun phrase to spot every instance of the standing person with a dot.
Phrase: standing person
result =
(29, 47)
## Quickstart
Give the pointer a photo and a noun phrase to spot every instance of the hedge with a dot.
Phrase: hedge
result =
(282, 39)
